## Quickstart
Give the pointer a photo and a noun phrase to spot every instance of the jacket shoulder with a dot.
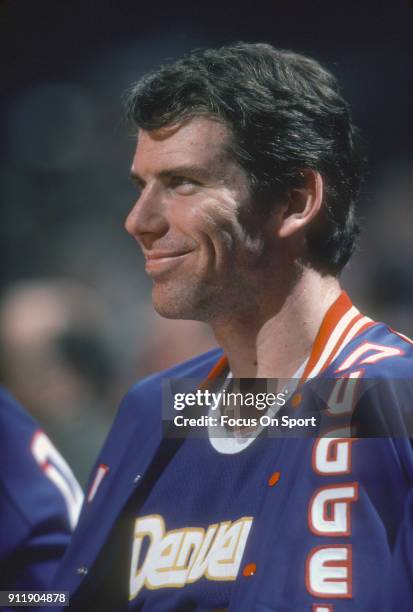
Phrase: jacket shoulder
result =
(379, 352)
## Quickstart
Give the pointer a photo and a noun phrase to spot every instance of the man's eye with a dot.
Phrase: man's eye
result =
(183, 184)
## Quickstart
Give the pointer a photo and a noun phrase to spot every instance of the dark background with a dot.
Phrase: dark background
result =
(73, 289)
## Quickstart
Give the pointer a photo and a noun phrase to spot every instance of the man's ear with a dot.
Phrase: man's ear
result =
(302, 203)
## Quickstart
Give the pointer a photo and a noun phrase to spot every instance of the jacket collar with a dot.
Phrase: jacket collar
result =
(341, 323)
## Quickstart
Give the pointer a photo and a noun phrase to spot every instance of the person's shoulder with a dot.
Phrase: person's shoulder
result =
(13, 416)
(378, 352)
(384, 334)
(379, 361)
(17, 432)
(29, 488)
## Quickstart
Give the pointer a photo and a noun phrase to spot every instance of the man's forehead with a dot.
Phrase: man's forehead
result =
(199, 134)
(200, 124)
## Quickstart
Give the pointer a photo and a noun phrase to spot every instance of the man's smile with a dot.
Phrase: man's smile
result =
(161, 261)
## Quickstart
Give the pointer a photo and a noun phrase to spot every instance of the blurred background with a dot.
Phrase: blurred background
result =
(76, 323)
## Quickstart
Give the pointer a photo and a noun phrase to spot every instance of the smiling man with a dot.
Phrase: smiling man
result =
(187, 224)
(248, 173)
(215, 256)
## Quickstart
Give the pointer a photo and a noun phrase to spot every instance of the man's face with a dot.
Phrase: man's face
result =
(192, 220)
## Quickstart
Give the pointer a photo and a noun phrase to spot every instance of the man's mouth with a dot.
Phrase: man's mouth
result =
(160, 261)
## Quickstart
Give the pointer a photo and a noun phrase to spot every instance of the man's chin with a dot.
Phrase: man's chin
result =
(174, 305)
(169, 312)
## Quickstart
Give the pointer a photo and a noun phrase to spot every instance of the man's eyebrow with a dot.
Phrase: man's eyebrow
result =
(188, 170)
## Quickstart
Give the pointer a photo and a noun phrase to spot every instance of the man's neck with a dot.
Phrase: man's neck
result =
(274, 343)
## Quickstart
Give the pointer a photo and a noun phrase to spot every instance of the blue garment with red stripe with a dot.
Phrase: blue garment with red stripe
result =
(164, 529)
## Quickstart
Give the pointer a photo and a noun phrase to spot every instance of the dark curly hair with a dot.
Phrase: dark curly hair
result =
(285, 113)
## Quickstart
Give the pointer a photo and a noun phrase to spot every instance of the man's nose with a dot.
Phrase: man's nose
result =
(147, 221)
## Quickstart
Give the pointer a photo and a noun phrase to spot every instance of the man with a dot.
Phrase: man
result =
(248, 173)
(40, 501)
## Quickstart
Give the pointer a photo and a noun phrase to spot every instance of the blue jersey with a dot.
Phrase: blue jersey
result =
(287, 524)
(39, 501)
(401, 574)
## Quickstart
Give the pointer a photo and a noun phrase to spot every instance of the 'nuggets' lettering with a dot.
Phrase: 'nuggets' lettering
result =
(332, 456)
(329, 571)
(343, 394)
(329, 511)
